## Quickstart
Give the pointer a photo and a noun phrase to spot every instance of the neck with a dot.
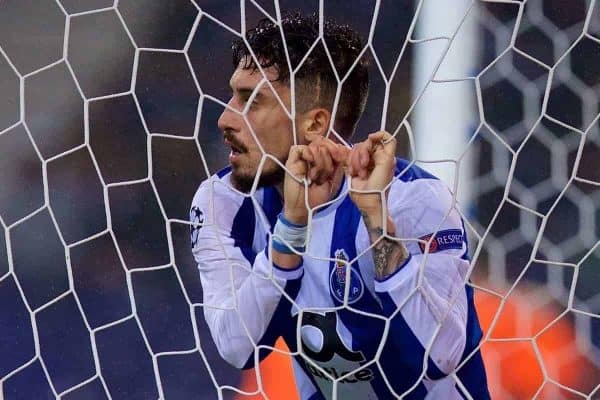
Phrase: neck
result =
(338, 180)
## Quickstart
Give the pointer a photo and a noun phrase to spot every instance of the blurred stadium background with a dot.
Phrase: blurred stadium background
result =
(97, 171)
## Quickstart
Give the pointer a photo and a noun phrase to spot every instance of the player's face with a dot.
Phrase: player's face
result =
(266, 118)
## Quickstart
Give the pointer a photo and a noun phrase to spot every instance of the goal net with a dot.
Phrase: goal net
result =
(108, 123)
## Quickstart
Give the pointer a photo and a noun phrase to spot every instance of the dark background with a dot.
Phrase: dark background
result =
(102, 148)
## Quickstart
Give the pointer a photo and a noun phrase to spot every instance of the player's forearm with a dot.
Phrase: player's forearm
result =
(289, 235)
(436, 313)
(287, 261)
(388, 254)
(238, 321)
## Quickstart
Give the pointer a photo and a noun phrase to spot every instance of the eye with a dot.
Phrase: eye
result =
(244, 98)
(254, 100)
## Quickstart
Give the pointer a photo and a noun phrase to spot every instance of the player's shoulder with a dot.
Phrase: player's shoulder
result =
(422, 205)
(413, 184)
(217, 190)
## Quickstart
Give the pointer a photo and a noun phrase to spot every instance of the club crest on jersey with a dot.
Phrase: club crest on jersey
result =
(442, 240)
(337, 279)
(196, 218)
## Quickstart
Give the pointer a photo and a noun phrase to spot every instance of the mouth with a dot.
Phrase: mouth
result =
(236, 149)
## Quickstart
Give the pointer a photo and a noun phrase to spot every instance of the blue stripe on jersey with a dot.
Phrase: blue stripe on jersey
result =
(343, 244)
(242, 229)
(465, 256)
(316, 396)
(366, 331)
(272, 204)
(242, 237)
(280, 324)
(407, 172)
(404, 353)
(224, 171)
(472, 374)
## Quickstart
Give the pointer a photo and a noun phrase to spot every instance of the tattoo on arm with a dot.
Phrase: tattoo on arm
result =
(387, 254)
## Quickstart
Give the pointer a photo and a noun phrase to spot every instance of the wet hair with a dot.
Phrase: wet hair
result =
(315, 82)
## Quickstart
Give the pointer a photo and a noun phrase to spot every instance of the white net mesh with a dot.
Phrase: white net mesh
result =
(108, 124)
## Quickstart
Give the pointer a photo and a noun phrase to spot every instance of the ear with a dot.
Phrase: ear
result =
(315, 122)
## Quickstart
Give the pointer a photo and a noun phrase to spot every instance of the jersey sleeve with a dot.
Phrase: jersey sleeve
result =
(426, 296)
(241, 295)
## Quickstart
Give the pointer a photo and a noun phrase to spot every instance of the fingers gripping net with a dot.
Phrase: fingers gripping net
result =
(103, 298)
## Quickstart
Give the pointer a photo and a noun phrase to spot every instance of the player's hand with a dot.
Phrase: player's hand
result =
(317, 163)
(370, 165)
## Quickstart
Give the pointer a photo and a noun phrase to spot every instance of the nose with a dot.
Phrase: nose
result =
(229, 120)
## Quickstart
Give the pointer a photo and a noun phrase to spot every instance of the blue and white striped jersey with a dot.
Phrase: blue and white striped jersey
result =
(415, 332)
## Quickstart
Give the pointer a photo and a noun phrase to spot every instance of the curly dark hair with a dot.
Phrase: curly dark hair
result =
(315, 82)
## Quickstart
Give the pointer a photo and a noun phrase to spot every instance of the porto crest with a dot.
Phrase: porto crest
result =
(337, 279)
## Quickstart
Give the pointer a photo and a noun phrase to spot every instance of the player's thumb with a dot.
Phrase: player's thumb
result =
(385, 141)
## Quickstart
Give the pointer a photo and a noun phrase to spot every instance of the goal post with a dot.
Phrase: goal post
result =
(445, 116)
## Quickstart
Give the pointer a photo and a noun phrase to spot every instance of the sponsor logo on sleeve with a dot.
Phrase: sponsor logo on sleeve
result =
(442, 240)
